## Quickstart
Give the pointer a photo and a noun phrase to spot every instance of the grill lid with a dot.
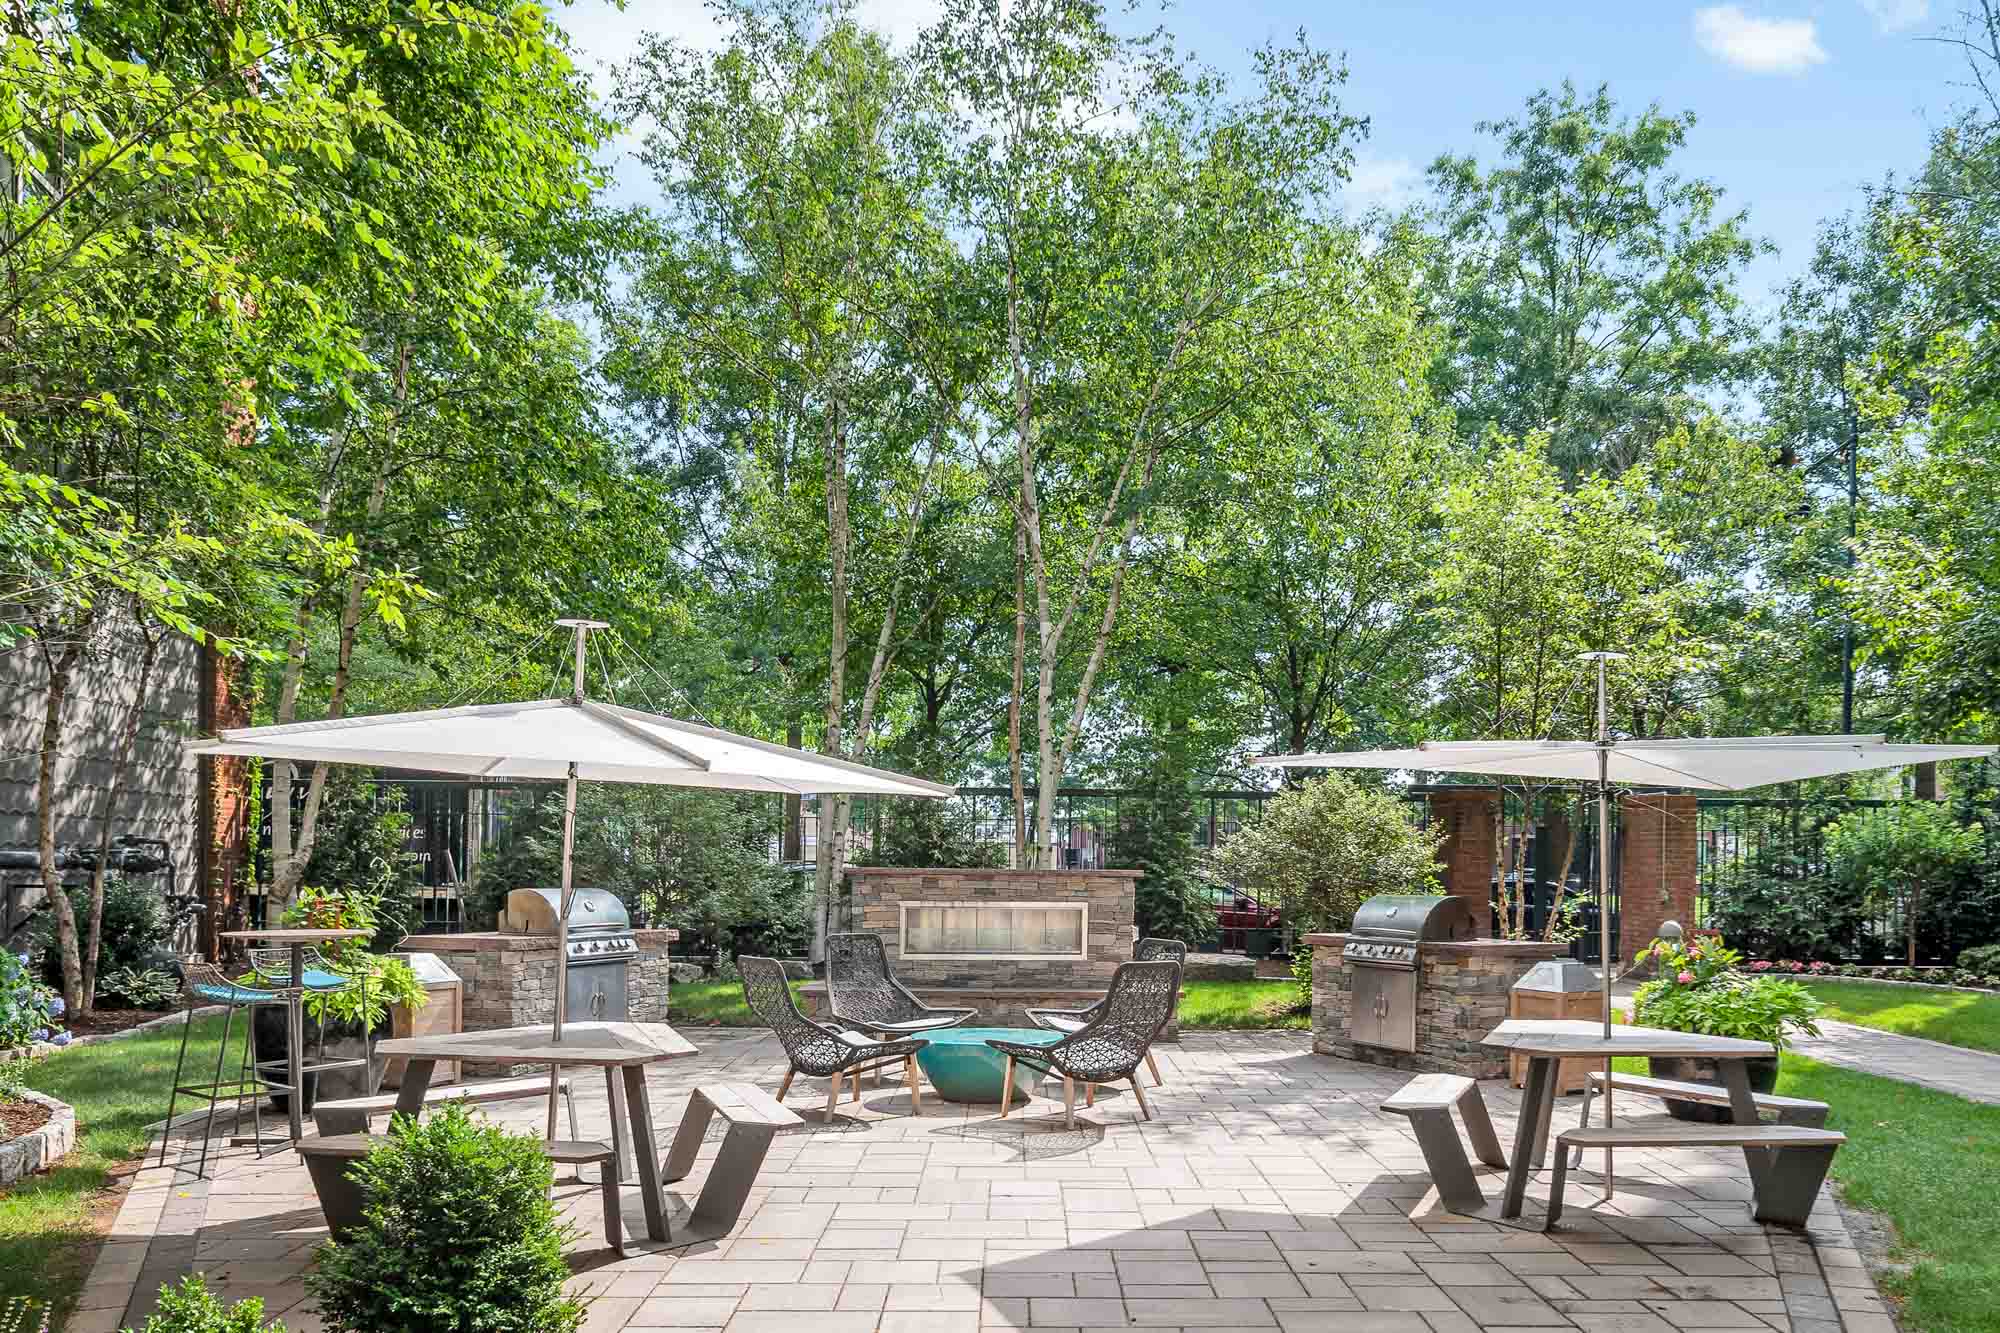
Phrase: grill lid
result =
(593, 911)
(1413, 918)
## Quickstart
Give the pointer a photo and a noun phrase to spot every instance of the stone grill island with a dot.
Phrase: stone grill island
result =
(1462, 994)
(994, 940)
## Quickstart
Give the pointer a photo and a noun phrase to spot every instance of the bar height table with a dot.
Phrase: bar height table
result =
(297, 938)
(621, 1050)
(1547, 1040)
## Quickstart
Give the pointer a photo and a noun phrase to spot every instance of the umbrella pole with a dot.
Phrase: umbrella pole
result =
(1604, 893)
(582, 628)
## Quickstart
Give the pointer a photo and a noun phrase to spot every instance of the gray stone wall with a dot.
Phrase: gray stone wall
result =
(157, 793)
(1462, 994)
(876, 894)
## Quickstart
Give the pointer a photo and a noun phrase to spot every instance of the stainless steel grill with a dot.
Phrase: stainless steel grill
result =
(601, 945)
(1384, 947)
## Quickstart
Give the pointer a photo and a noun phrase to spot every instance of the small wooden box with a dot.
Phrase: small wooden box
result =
(1587, 1005)
(444, 1013)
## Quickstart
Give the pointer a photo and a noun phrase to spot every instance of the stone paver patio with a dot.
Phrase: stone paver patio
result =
(1267, 1193)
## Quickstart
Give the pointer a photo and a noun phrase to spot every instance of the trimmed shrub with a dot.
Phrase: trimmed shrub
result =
(1982, 961)
(458, 1234)
(133, 926)
(192, 1308)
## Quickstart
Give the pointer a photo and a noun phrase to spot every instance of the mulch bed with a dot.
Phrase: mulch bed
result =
(23, 1117)
(101, 1021)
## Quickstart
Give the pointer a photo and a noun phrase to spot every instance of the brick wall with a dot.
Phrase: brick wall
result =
(876, 894)
(1656, 867)
(1462, 994)
(1468, 852)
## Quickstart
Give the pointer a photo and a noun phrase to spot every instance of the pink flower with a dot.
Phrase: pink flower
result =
(1686, 978)
(1761, 965)
(1821, 967)
(1798, 967)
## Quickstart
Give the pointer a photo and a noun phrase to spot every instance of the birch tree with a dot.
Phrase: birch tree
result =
(1138, 223)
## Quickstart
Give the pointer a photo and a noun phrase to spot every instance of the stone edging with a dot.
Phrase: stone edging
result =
(39, 1148)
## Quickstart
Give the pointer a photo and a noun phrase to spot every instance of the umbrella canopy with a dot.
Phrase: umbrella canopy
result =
(1726, 763)
(574, 740)
(540, 740)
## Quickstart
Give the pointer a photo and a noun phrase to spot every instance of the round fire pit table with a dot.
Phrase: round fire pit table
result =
(961, 1067)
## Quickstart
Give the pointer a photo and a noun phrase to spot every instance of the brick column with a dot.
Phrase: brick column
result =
(1656, 867)
(223, 797)
(1467, 854)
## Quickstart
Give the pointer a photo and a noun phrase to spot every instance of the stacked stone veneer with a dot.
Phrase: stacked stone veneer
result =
(510, 979)
(1002, 989)
(1461, 996)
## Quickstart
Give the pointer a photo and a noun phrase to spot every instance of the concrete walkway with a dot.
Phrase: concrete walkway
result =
(1974, 1075)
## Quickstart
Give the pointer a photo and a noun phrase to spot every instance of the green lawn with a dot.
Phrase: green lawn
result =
(1206, 1004)
(1242, 1004)
(117, 1088)
(1953, 1017)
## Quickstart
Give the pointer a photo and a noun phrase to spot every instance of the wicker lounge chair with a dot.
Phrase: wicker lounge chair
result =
(821, 1050)
(1109, 1048)
(863, 993)
(1148, 950)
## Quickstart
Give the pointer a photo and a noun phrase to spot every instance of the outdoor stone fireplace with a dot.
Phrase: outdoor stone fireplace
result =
(1462, 994)
(995, 940)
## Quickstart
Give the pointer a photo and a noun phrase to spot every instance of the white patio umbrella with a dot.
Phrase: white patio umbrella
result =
(1727, 763)
(575, 739)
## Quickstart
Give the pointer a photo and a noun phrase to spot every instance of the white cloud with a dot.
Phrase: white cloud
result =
(1758, 45)
(1896, 15)
(1381, 182)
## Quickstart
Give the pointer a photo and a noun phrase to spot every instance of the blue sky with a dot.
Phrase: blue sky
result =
(1799, 104)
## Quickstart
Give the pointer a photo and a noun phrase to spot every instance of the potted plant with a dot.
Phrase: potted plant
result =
(1701, 989)
(347, 1014)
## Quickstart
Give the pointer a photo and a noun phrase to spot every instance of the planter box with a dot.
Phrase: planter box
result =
(41, 1148)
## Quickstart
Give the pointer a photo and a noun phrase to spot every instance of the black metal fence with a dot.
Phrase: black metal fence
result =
(1765, 878)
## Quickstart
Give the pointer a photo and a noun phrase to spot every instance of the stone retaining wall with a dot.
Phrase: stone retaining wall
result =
(40, 1148)
(1462, 994)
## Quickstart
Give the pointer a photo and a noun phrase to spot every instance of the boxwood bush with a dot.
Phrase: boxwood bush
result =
(459, 1235)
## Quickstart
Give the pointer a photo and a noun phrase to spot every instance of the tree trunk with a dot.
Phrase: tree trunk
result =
(62, 669)
(285, 879)
(127, 742)
(827, 854)
(1014, 765)
(794, 837)
(1561, 890)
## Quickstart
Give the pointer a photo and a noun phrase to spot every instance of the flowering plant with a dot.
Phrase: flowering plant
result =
(1701, 989)
(28, 1010)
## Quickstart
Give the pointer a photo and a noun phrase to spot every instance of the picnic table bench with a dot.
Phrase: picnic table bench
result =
(1786, 1185)
(754, 1118)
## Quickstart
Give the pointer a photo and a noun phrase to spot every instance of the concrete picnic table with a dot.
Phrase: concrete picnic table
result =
(622, 1050)
(1545, 1041)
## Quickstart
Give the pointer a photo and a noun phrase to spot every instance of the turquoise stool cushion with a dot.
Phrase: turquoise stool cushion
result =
(216, 994)
(318, 980)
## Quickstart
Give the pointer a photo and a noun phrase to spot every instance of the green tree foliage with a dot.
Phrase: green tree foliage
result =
(928, 833)
(1174, 898)
(1323, 848)
(1896, 858)
(1589, 288)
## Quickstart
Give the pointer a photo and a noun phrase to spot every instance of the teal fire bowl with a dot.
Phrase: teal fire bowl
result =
(961, 1067)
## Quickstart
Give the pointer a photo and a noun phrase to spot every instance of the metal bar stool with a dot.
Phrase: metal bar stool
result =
(273, 968)
(206, 984)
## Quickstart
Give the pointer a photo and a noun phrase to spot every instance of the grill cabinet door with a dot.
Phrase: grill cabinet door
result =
(1384, 1008)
